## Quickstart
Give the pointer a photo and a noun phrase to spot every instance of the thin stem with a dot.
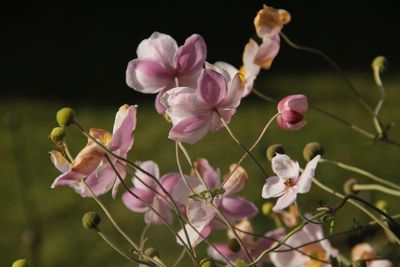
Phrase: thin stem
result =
(143, 235)
(360, 171)
(67, 152)
(180, 258)
(242, 146)
(363, 187)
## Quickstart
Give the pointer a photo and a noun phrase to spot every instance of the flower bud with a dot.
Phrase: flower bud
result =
(379, 63)
(57, 134)
(234, 245)
(91, 220)
(266, 208)
(311, 150)
(359, 263)
(348, 186)
(272, 150)
(151, 252)
(207, 262)
(20, 263)
(65, 117)
(381, 204)
(290, 111)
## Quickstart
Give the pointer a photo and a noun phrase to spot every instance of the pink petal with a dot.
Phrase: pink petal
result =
(162, 209)
(211, 177)
(237, 207)
(190, 130)
(305, 180)
(267, 51)
(285, 200)
(159, 47)
(149, 77)
(297, 103)
(67, 178)
(291, 117)
(234, 95)
(224, 68)
(272, 236)
(121, 168)
(142, 179)
(287, 259)
(224, 249)
(138, 204)
(169, 181)
(211, 87)
(194, 236)
(59, 161)
(124, 125)
(158, 103)
(285, 168)
(191, 56)
(273, 187)
(237, 180)
(100, 181)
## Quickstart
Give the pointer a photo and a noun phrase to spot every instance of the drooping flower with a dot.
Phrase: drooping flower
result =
(195, 112)
(290, 109)
(321, 250)
(254, 245)
(161, 65)
(201, 213)
(288, 182)
(365, 251)
(90, 163)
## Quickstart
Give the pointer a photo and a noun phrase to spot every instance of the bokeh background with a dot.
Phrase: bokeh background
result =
(55, 54)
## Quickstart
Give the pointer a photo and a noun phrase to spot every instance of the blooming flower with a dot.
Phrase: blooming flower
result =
(203, 216)
(290, 109)
(321, 250)
(161, 65)
(195, 112)
(91, 162)
(288, 183)
(364, 251)
(254, 245)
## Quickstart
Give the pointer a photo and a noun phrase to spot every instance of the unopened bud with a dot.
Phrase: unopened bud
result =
(57, 134)
(359, 263)
(91, 220)
(379, 63)
(266, 208)
(348, 186)
(311, 150)
(65, 117)
(207, 262)
(234, 245)
(151, 252)
(20, 263)
(272, 150)
(381, 204)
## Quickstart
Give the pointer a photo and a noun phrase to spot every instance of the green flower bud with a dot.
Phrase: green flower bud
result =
(151, 252)
(57, 134)
(381, 204)
(348, 186)
(379, 63)
(359, 263)
(20, 263)
(266, 208)
(234, 245)
(91, 220)
(65, 117)
(273, 149)
(311, 150)
(207, 262)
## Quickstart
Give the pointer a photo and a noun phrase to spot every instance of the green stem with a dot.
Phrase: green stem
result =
(180, 258)
(363, 187)
(178, 163)
(360, 171)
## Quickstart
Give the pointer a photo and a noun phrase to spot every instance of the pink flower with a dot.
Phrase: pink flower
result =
(200, 212)
(365, 251)
(161, 64)
(321, 250)
(90, 163)
(195, 112)
(150, 193)
(290, 109)
(288, 182)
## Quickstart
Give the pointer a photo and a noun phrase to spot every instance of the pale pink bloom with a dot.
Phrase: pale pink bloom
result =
(90, 163)
(149, 193)
(364, 251)
(321, 250)
(203, 216)
(195, 112)
(161, 64)
(288, 182)
(254, 245)
(290, 109)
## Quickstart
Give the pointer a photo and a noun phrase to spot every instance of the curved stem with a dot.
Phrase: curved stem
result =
(178, 163)
(364, 187)
(179, 259)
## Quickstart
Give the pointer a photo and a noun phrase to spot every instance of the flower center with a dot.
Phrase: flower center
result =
(289, 183)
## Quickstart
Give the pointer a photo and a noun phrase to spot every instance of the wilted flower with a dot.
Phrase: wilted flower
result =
(161, 65)
(91, 162)
(290, 109)
(288, 182)
(195, 112)
(364, 251)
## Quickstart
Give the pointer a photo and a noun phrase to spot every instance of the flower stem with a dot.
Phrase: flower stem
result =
(363, 187)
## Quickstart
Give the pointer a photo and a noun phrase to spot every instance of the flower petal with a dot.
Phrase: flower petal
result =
(59, 161)
(285, 200)
(211, 177)
(237, 207)
(124, 125)
(218, 249)
(305, 180)
(100, 181)
(161, 209)
(238, 178)
(267, 52)
(297, 103)
(190, 57)
(159, 47)
(285, 168)
(211, 87)
(142, 179)
(138, 204)
(190, 130)
(271, 237)
(67, 178)
(273, 187)
(195, 232)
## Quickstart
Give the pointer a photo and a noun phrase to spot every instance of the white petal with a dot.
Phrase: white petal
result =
(285, 168)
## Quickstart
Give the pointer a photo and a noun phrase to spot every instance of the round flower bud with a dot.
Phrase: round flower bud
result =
(381, 204)
(379, 63)
(65, 117)
(207, 262)
(20, 263)
(91, 220)
(311, 150)
(151, 252)
(359, 263)
(348, 186)
(57, 134)
(272, 150)
(234, 245)
(266, 208)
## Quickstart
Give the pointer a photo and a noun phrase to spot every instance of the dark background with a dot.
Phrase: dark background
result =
(78, 51)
